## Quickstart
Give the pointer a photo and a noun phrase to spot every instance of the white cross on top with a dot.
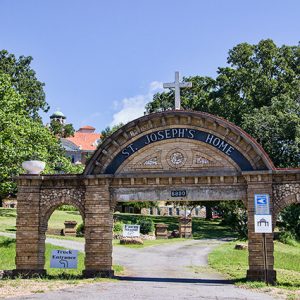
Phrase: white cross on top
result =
(177, 85)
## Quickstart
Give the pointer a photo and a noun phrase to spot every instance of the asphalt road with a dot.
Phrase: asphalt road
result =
(158, 272)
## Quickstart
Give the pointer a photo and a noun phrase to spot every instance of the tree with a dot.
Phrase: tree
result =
(109, 131)
(290, 220)
(23, 137)
(61, 130)
(24, 81)
(259, 91)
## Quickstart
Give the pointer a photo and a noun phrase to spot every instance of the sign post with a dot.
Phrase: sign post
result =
(263, 223)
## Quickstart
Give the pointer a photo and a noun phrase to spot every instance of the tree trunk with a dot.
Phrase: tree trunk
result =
(208, 214)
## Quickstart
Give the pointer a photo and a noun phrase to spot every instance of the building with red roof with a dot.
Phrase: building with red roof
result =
(80, 146)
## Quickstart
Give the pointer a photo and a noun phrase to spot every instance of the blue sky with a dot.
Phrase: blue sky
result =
(103, 60)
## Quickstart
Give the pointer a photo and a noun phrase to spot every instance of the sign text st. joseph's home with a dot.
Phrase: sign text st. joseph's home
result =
(175, 133)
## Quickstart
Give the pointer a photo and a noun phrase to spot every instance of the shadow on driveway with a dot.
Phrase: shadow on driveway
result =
(176, 280)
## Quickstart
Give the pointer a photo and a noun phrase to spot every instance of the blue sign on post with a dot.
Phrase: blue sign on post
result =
(262, 204)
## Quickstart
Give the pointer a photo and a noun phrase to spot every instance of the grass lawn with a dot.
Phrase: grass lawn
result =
(234, 263)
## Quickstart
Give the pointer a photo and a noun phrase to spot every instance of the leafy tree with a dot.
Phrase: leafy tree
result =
(109, 131)
(234, 215)
(24, 81)
(290, 220)
(61, 130)
(23, 138)
(259, 91)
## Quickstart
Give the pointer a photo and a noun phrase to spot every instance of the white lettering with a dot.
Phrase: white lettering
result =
(229, 150)
(209, 138)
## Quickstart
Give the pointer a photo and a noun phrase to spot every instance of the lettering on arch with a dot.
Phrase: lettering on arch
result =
(175, 133)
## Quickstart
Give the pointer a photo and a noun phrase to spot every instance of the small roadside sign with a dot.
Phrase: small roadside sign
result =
(131, 230)
(64, 259)
(262, 204)
(263, 223)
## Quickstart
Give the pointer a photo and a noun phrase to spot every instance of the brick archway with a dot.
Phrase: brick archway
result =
(207, 156)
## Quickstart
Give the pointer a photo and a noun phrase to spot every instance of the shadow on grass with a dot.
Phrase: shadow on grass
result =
(7, 242)
(8, 212)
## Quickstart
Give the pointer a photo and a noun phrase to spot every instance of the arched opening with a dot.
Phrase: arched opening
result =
(61, 225)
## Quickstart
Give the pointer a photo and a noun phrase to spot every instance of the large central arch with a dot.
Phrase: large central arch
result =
(207, 156)
(216, 134)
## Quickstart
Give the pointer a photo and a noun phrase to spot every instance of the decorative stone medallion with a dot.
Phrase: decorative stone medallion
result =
(176, 158)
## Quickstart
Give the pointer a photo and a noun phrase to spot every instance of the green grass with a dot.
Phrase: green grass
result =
(234, 263)
(58, 218)
(8, 219)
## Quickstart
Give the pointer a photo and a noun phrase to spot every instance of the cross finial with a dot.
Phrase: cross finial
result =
(177, 85)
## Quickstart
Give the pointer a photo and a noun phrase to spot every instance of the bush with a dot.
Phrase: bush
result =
(290, 220)
(147, 225)
(235, 216)
(118, 227)
(67, 208)
(80, 230)
(287, 238)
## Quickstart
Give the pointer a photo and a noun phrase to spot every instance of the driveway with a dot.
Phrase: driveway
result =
(158, 272)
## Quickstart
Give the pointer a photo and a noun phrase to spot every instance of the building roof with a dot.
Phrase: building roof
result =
(87, 127)
(86, 141)
(57, 114)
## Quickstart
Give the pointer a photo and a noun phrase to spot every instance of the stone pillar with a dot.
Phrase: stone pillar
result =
(259, 185)
(185, 227)
(30, 245)
(161, 231)
(98, 229)
(70, 228)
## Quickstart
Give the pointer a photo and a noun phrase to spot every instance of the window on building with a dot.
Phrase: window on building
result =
(158, 211)
(170, 211)
(177, 211)
(197, 211)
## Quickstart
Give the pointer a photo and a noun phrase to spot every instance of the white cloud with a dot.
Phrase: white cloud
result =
(134, 107)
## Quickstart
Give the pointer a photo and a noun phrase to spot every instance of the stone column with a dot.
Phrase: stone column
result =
(259, 184)
(30, 245)
(98, 229)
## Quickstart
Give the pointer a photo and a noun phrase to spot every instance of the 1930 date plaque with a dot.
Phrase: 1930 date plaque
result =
(178, 193)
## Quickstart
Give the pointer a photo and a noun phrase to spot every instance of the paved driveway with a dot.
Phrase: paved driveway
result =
(157, 272)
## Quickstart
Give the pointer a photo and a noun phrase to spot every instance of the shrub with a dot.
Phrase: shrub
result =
(290, 220)
(287, 238)
(146, 225)
(80, 230)
(118, 226)
(67, 208)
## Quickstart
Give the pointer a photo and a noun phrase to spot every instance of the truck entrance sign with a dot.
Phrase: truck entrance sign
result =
(64, 259)
(131, 230)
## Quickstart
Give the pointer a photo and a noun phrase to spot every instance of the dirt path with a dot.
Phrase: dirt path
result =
(164, 272)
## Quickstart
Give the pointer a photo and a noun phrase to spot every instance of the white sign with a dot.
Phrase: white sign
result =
(262, 204)
(64, 259)
(263, 223)
(131, 230)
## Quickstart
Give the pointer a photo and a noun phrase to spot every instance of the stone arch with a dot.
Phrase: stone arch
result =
(285, 195)
(51, 199)
(215, 132)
